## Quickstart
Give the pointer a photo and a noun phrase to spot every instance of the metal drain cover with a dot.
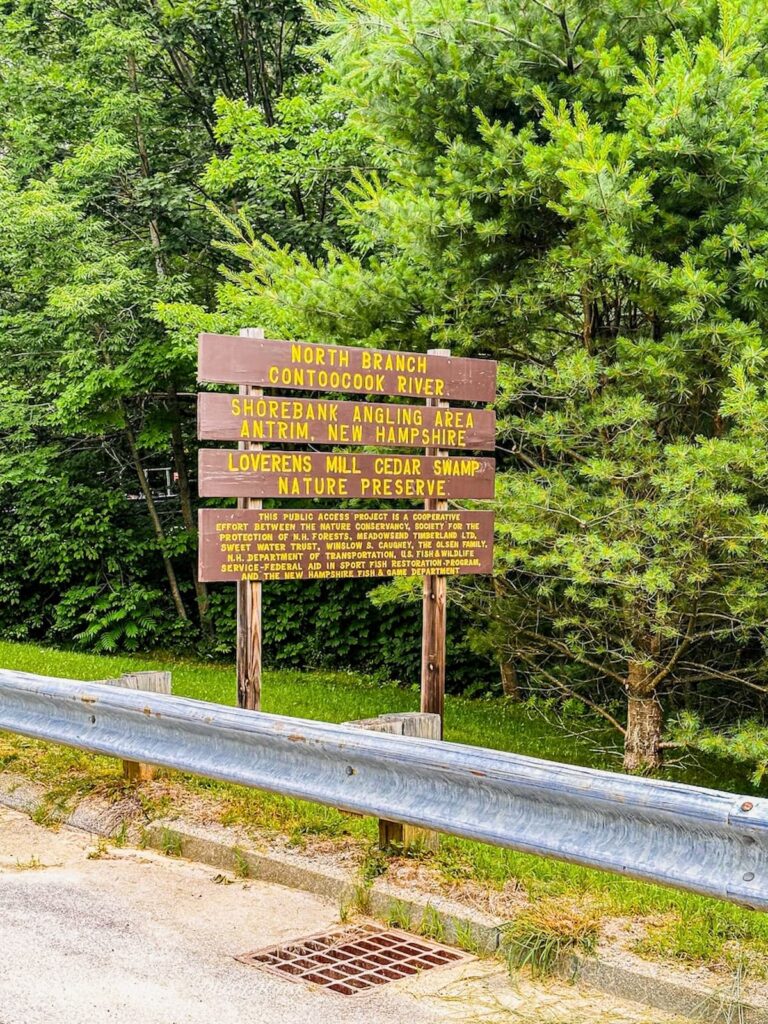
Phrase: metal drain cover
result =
(350, 959)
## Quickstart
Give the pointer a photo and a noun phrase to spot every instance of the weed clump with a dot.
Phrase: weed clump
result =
(546, 932)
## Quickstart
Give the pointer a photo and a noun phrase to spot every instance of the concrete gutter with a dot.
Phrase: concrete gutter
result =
(443, 919)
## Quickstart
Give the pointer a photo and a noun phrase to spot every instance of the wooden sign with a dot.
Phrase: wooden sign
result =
(319, 421)
(226, 359)
(248, 544)
(270, 474)
(238, 544)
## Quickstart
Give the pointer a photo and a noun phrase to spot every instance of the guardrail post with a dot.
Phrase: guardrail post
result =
(151, 682)
(394, 834)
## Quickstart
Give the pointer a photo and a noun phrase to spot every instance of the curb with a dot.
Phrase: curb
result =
(471, 930)
(438, 918)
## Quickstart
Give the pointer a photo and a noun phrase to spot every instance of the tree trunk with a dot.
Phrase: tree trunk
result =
(509, 683)
(645, 721)
(156, 524)
(177, 440)
(187, 511)
(510, 686)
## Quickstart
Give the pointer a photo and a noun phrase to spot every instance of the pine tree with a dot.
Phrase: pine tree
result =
(578, 191)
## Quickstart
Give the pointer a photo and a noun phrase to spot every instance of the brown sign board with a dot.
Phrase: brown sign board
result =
(279, 420)
(289, 365)
(227, 473)
(239, 544)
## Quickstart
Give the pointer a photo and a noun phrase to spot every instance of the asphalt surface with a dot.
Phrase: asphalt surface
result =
(90, 935)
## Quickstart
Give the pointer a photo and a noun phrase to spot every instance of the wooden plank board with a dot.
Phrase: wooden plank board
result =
(237, 544)
(225, 473)
(149, 682)
(302, 366)
(280, 420)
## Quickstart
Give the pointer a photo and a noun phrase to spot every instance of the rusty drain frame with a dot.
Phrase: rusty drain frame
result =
(354, 958)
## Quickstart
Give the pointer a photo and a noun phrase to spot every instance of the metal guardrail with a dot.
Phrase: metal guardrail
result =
(697, 839)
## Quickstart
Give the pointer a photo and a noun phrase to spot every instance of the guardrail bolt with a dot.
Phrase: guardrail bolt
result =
(350, 770)
(747, 806)
(749, 876)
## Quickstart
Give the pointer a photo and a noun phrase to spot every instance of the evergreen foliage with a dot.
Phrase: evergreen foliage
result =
(578, 191)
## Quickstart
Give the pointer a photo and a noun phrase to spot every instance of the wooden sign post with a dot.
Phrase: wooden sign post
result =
(248, 655)
(434, 609)
(251, 544)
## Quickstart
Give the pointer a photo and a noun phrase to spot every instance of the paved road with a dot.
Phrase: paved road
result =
(96, 936)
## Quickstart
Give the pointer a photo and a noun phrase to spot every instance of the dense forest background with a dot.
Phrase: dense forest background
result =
(576, 190)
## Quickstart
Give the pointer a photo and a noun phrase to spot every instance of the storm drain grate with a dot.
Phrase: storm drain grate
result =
(350, 959)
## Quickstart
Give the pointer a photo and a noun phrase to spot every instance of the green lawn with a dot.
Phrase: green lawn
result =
(686, 927)
(341, 696)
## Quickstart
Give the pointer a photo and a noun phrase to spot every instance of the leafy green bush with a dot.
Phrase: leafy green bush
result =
(332, 624)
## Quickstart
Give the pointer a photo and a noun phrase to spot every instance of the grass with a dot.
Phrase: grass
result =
(545, 931)
(170, 843)
(686, 928)
(342, 696)
(33, 864)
